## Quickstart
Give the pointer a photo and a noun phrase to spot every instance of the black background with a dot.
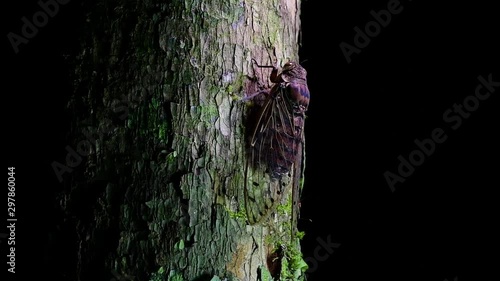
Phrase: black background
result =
(439, 224)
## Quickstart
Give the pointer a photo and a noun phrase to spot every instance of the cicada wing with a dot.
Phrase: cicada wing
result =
(272, 150)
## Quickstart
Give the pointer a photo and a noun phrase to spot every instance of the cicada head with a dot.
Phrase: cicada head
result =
(294, 72)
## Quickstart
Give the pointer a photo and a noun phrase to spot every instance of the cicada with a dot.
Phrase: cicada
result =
(276, 141)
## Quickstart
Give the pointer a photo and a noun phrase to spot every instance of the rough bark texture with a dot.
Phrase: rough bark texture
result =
(160, 195)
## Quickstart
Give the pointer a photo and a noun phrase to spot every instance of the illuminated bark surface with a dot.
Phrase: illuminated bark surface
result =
(157, 95)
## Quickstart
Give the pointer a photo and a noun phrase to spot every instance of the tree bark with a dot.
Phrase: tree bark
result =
(160, 125)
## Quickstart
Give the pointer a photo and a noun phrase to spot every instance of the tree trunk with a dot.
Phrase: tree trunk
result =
(157, 161)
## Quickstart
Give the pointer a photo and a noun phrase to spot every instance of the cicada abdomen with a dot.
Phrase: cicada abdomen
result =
(276, 141)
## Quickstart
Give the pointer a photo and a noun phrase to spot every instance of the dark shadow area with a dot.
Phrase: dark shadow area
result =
(363, 115)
